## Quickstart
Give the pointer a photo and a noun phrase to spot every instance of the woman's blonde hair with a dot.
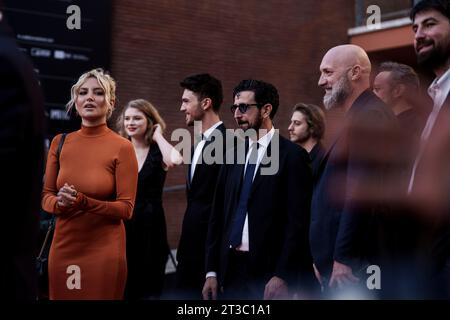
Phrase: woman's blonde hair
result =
(107, 83)
(151, 114)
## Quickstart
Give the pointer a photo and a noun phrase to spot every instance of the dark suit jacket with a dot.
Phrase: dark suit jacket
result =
(278, 218)
(340, 226)
(21, 161)
(433, 177)
(200, 193)
(317, 153)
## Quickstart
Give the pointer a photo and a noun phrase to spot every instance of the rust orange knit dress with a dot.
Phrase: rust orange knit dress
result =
(103, 168)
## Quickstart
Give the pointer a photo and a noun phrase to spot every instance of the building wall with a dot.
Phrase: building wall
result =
(155, 44)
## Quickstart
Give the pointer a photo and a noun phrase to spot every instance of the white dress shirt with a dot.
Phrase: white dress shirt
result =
(263, 144)
(200, 145)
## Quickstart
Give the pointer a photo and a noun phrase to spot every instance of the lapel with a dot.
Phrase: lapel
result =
(188, 173)
(360, 101)
(441, 121)
(221, 129)
(236, 176)
(265, 162)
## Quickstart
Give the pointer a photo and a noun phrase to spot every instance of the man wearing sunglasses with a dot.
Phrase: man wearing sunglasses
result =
(201, 101)
(258, 234)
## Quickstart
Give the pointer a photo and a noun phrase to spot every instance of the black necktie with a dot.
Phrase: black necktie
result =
(241, 211)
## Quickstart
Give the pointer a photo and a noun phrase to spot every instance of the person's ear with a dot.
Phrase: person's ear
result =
(398, 90)
(267, 110)
(355, 72)
(206, 104)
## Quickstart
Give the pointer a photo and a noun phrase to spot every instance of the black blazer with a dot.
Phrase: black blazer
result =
(278, 217)
(433, 168)
(200, 193)
(340, 228)
(317, 153)
(21, 160)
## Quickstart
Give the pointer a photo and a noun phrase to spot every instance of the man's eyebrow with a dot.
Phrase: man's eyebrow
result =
(433, 19)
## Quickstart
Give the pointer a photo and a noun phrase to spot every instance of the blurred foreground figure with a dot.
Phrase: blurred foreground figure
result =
(430, 177)
(21, 157)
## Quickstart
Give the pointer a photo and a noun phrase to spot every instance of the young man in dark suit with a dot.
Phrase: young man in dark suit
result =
(258, 235)
(201, 101)
(21, 160)
(342, 241)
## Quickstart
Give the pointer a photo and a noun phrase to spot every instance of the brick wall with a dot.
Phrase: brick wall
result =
(155, 44)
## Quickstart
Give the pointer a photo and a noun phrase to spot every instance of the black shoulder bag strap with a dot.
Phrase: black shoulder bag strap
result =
(51, 224)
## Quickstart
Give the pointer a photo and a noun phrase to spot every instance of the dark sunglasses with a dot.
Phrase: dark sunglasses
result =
(243, 107)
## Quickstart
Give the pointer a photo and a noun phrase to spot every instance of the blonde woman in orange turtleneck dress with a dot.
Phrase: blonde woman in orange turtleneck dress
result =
(91, 195)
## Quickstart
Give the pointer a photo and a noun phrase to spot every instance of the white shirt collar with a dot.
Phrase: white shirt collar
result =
(265, 140)
(208, 132)
(443, 83)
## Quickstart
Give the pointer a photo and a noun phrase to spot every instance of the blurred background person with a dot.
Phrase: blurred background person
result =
(398, 85)
(21, 157)
(146, 231)
(91, 195)
(307, 128)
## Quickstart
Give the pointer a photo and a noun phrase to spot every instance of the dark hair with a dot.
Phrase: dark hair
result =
(264, 93)
(315, 118)
(443, 6)
(205, 86)
(401, 73)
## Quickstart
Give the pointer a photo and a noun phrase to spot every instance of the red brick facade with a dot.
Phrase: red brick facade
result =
(155, 44)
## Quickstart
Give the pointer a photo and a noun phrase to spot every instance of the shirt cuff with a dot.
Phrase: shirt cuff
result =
(211, 274)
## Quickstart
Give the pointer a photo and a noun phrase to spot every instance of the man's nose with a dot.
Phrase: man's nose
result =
(237, 113)
(419, 34)
(322, 81)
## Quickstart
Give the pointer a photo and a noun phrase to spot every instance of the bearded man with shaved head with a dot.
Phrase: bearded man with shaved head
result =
(341, 236)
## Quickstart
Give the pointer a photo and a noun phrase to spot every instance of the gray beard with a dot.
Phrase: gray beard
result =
(338, 94)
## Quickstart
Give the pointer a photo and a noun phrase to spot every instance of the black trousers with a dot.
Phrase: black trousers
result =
(239, 283)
